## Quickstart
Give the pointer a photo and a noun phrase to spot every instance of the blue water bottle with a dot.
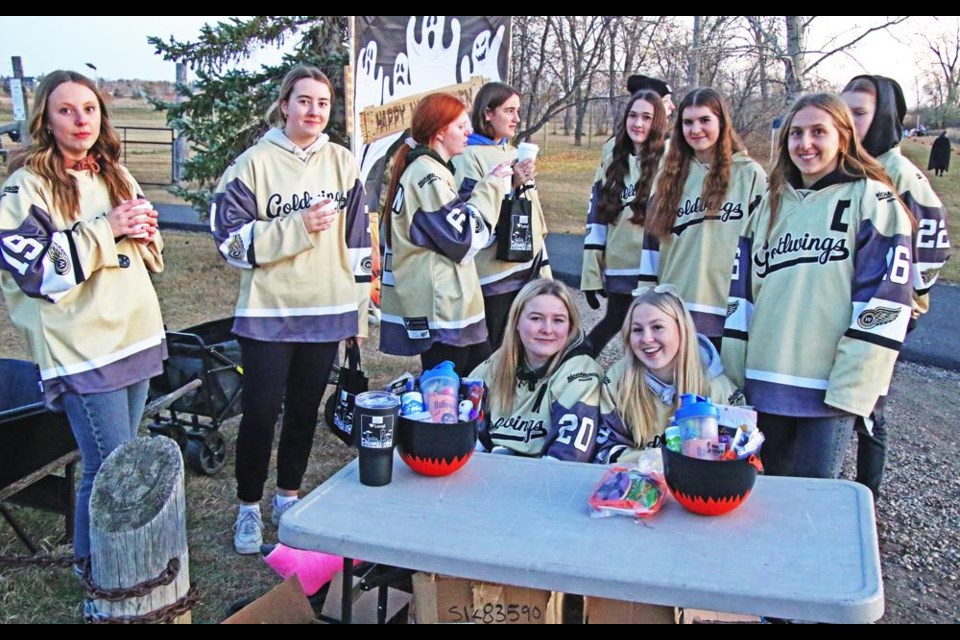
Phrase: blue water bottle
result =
(698, 419)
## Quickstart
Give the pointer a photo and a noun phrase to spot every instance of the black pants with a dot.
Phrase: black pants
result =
(872, 448)
(291, 375)
(464, 359)
(610, 324)
(497, 310)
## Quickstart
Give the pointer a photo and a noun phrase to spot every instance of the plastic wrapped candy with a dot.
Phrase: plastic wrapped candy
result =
(627, 491)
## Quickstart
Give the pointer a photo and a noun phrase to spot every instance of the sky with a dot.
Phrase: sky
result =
(117, 46)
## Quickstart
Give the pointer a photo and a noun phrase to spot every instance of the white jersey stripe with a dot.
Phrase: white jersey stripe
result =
(289, 313)
(705, 308)
(439, 324)
(102, 361)
(780, 378)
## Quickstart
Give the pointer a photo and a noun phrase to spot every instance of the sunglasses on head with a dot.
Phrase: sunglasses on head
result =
(666, 287)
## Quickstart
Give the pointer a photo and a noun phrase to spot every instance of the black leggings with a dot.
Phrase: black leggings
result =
(497, 310)
(291, 375)
(464, 359)
(610, 324)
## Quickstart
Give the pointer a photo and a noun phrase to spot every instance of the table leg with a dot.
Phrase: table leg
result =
(346, 602)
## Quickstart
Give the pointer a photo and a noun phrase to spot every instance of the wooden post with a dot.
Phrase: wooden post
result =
(20, 108)
(137, 525)
(180, 144)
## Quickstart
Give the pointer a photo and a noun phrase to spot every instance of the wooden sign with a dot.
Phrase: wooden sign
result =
(393, 117)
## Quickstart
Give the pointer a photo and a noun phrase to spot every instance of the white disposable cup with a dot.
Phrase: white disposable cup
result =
(527, 150)
(141, 228)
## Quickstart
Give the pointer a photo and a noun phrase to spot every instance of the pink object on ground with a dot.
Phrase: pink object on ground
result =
(313, 568)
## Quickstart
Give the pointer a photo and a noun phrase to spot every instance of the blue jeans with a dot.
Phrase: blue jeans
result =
(100, 422)
(804, 447)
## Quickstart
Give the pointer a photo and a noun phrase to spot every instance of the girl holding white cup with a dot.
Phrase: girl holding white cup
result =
(289, 213)
(495, 117)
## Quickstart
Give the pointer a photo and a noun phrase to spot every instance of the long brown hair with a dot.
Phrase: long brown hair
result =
(43, 157)
(677, 165)
(505, 362)
(853, 159)
(610, 196)
(431, 115)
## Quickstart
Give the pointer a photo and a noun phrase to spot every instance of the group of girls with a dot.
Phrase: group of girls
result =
(811, 316)
(831, 259)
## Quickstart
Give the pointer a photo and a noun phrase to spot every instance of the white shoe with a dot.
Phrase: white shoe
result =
(248, 532)
(282, 509)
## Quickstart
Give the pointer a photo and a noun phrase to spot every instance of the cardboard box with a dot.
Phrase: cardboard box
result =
(284, 604)
(446, 599)
(702, 616)
(607, 611)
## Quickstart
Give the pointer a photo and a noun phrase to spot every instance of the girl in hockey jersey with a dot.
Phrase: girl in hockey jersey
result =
(495, 116)
(547, 396)
(289, 213)
(705, 190)
(617, 210)
(665, 358)
(820, 292)
(878, 109)
(77, 245)
(431, 299)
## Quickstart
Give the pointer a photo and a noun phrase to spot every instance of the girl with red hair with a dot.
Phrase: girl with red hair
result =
(432, 301)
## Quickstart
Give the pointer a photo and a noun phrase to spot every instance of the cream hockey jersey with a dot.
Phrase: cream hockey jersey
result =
(498, 276)
(431, 292)
(697, 255)
(611, 252)
(568, 416)
(83, 298)
(295, 286)
(931, 246)
(819, 303)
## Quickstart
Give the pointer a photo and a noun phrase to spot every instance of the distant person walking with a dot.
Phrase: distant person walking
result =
(940, 155)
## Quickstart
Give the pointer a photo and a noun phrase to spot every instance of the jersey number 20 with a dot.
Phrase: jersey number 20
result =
(569, 424)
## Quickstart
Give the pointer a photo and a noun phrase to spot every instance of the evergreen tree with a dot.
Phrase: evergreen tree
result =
(222, 110)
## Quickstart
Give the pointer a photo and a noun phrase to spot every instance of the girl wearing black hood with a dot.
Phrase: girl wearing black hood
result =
(878, 109)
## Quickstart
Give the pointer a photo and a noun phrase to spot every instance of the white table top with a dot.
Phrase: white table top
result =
(797, 548)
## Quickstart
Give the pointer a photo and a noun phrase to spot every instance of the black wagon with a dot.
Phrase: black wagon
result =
(208, 353)
(37, 450)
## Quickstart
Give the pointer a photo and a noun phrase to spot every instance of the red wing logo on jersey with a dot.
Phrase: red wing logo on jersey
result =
(236, 248)
(732, 307)
(871, 318)
(61, 263)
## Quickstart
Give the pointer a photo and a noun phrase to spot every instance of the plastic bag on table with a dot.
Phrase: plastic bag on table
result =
(628, 491)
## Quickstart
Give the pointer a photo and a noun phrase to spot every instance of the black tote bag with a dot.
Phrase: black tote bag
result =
(338, 411)
(515, 229)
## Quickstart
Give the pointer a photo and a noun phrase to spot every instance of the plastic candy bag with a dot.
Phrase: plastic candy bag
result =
(628, 491)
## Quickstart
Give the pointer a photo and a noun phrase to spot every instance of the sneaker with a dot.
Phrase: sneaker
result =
(248, 532)
(282, 509)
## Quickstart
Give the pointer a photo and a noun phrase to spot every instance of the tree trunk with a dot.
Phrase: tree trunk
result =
(693, 75)
(796, 66)
(137, 525)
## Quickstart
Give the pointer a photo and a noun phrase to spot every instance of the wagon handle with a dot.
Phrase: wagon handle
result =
(165, 401)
